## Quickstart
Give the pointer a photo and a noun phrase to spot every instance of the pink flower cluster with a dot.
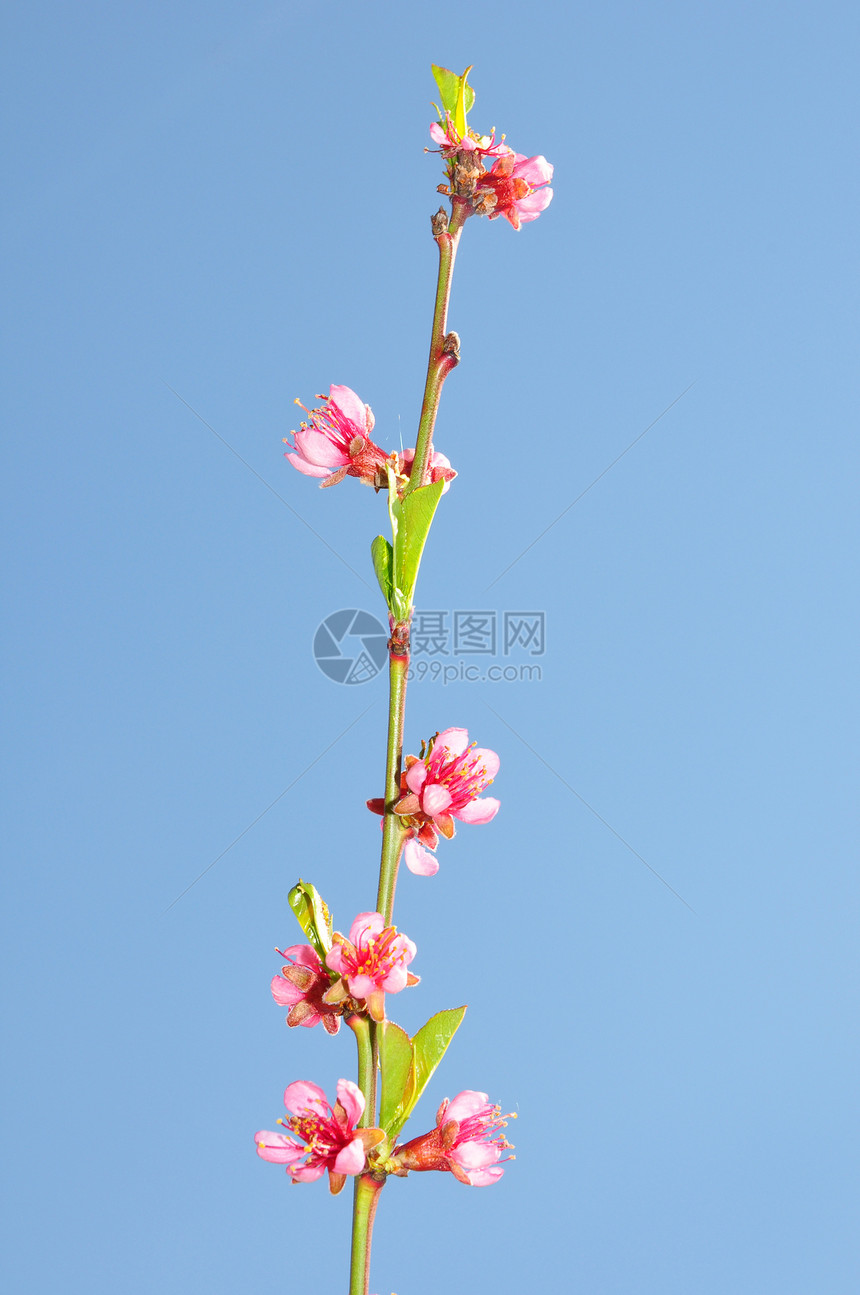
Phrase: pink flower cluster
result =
(445, 785)
(335, 443)
(332, 1141)
(466, 1141)
(372, 962)
(515, 186)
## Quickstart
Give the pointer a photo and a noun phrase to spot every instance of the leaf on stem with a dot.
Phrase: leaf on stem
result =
(412, 1062)
(383, 564)
(457, 95)
(312, 915)
(395, 1063)
(410, 523)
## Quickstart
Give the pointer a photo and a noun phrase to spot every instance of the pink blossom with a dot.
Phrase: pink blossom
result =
(444, 785)
(466, 1141)
(336, 442)
(301, 985)
(372, 962)
(450, 141)
(514, 188)
(332, 1140)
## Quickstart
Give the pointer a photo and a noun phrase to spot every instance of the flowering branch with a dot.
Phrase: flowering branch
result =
(337, 976)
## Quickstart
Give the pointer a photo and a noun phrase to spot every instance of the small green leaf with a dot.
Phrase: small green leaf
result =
(455, 93)
(410, 521)
(430, 1045)
(312, 915)
(395, 1063)
(383, 560)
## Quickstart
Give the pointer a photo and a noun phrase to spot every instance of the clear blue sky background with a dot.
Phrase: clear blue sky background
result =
(232, 199)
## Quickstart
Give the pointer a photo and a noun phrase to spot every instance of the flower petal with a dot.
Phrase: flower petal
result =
(307, 1173)
(351, 1159)
(305, 1098)
(478, 811)
(484, 1177)
(534, 170)
(435, 799)
(533, 204)
(351, 405)
(465, 1104)
(320, 449)
(309, 469)
(278, 1148)
(285, 994)
(416, 776)
(365, 924)
(419, 860)
(351, 1099)
(452, 740)
(488, 759)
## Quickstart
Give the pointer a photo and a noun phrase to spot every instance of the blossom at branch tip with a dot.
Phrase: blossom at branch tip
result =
(515, 187)
(371, 963)
(466, 1142)
(332, 1141)
(450, 141)
(301, 985)
(336, 442)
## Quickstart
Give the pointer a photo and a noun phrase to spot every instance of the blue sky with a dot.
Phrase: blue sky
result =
(214, 209)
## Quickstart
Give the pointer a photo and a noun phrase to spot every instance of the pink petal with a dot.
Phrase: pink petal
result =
(350, 405)
(534, 170)
(365, 924)
(419, 860)
(465, 1104)
(488, 759)
(438, 134)
(303, 955)
(284, 993)
(360, 986)
(351, 1159)
(351, 1099)
(435, 799)
(416, 776)
(485, 1177)
(320, 449)
(533, 204)
(452, 740)
(478, 811)
(309, 469)
(305, 1098)
(277, 1148)
(476, 1155)
(307, 1173)
(395, 980)
(335, 958)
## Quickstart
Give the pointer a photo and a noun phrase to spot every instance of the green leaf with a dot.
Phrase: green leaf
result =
(410, 523)
(312, 915)
(426, 1050)
(430, 1045)
(395, 1063)
(383, 562)
(457, 95)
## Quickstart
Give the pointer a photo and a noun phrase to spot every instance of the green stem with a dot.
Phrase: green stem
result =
(364, 1202)
(360, 1027)
(393, 834)
(441, 362)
